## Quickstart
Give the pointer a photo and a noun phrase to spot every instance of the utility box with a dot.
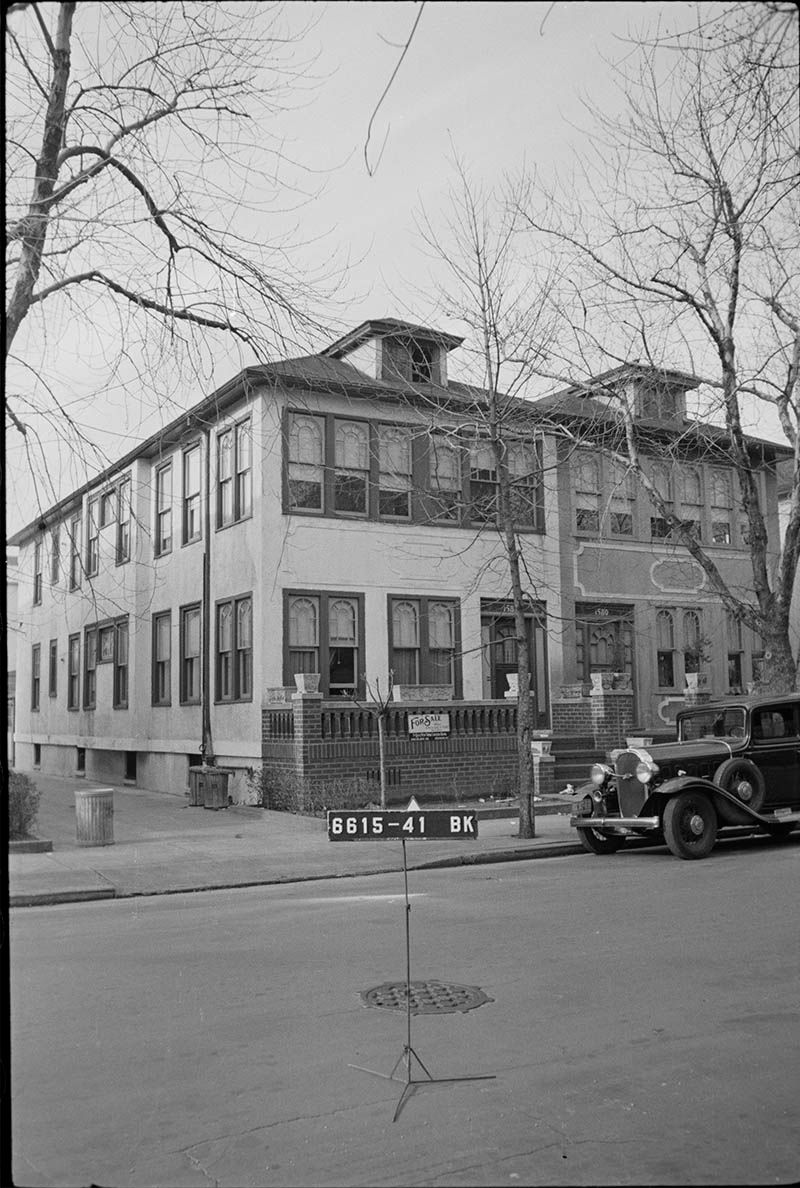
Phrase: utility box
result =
(208, 786)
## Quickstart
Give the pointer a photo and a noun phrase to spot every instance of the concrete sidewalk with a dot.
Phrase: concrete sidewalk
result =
(164, 845)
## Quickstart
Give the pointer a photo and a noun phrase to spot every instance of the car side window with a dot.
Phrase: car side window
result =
(775, 723)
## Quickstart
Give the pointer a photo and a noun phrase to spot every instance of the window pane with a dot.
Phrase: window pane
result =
(342, 622)
(405, 625)
(303, 623)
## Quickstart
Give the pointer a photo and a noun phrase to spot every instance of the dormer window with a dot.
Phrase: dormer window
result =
(410, 359)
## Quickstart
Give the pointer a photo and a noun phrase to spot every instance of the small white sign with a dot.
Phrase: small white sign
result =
(428, 724)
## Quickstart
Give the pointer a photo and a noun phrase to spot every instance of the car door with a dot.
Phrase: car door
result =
(776, 751)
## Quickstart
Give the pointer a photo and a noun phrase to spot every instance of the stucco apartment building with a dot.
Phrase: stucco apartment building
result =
(334, 514)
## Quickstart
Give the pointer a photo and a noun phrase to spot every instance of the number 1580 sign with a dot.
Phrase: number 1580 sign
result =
(401, 825)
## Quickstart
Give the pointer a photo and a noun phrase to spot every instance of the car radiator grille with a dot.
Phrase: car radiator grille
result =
(631, 792)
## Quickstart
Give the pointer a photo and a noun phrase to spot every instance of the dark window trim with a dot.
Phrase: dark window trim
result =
(38, 577)
(186, 539)
(89, 692)
(120, 694)
(426, 676)
(36, 677)
(154, 698)
(424, 499)
(237, 515)
(324, 597)
(183, 611)
(92, 540)
(73, 678)
(52, 668)
(159, 549)
(122, 549)
(236, 696)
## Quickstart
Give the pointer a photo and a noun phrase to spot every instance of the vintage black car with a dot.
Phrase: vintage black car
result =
(734, 763)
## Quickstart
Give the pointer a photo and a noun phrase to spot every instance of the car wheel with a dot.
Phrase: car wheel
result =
(690, 825)
(597, 841)
(744, 780)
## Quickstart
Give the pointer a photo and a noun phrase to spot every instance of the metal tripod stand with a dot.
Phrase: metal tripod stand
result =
(408, 1053)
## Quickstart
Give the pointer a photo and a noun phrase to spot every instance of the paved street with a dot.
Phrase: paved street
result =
(643, 1029)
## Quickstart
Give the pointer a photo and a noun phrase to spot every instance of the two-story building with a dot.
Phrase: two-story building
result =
(336, 515)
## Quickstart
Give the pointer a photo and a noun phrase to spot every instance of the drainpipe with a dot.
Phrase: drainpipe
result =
(207, 744)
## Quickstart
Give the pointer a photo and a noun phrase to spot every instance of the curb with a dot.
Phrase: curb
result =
(30, 845)
(546, 850)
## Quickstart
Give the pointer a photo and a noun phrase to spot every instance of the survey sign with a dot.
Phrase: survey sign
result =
(402, 825)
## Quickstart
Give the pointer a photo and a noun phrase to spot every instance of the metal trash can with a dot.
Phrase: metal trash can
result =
(94, 816)
(208, 786)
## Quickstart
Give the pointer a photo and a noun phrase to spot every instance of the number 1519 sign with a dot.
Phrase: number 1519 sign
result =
(402, 825)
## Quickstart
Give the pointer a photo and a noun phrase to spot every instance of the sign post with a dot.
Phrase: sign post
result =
(409, 824)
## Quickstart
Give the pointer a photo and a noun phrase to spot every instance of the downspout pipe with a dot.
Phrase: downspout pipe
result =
(207, 744)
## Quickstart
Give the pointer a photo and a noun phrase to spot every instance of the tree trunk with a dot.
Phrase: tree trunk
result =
(37, 219)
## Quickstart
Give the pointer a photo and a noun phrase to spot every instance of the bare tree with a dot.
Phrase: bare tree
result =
(147, 186)
(491, 290)
(683, 251)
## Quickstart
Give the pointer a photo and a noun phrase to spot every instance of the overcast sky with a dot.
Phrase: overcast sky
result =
(498, 83)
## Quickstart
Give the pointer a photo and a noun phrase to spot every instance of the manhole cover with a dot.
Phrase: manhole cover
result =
(427, 998)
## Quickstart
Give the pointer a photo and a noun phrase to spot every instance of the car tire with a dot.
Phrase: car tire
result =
(597, 841)
(690, 825)
(744, 780)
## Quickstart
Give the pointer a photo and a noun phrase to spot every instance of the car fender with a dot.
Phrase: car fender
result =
(729, 809)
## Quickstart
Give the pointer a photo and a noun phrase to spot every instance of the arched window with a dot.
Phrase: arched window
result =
(586, 475)
(405, 642)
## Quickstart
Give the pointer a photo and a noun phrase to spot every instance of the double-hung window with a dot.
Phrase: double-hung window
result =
(234, 668)
(92, 538)
(234, 473)
(735, 651)
(394, 472)
(164, 509)
(351, 467)
(123, 543)
(90, 668)
(73, 672)
(482, 483)
(36, 675)
(37, 573)
(446, 481)
(692, 501)
(661, 479)
(55, 556)
(306, 462)
(52, 685)
(190, 654)
(121, 664)
(586, 477)
(75, 553)
(325, 635)
(162, 658)
(192, 529)
(665, 649)
(423, 641)
(621, 500)
(721, 508)
(524, 478)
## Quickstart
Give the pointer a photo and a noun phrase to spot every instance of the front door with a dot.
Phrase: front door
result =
(604, 641)
(501, 648)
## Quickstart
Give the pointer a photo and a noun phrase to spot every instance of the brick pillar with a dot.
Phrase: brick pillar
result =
(612, 717)
(544, 768)
(307, 713)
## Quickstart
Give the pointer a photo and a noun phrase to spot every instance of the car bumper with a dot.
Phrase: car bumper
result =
(617, 823)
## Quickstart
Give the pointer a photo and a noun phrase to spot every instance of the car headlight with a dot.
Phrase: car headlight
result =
(646, 770)
(599, 774)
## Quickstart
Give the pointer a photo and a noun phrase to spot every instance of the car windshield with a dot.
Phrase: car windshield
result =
(712, 723)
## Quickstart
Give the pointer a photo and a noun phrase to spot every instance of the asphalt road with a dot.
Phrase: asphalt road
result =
(643, 1028)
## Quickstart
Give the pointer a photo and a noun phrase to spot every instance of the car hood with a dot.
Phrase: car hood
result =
(667, 754)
